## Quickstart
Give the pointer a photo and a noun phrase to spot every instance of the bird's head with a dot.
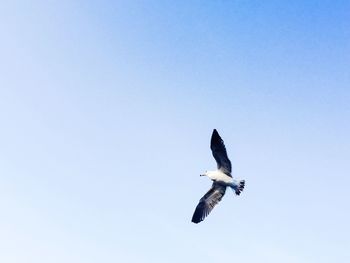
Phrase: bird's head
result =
(204, 174)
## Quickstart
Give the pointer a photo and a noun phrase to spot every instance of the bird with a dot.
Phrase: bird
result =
(221, 178)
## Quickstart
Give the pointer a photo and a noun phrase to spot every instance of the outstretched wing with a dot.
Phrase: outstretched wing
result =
(208, 201)
(218, 149)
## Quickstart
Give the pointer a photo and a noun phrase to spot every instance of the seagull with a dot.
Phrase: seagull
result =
(221, 178)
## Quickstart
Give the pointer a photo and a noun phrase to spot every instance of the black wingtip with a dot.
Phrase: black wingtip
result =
(198, 213)
(215, 134)
(215, 137)
(194, 221)
(197, 217)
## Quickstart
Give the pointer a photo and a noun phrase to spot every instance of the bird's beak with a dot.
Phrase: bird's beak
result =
(201, 175)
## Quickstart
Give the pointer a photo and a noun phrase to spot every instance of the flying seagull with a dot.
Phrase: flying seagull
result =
(221, 179)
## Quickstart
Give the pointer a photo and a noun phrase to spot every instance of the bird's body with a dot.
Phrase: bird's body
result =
(221, 178)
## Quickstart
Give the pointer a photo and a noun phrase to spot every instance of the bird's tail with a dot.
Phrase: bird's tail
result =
(238, 186)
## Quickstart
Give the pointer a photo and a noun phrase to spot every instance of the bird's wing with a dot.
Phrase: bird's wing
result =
(208, 201)
(218, 149)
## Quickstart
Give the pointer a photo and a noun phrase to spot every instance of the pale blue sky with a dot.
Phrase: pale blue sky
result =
(106, 111)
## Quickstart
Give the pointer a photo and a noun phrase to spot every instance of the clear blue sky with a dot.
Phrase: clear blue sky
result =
(106, 112)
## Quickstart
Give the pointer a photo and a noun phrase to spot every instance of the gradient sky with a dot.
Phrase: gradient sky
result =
(107, 108)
